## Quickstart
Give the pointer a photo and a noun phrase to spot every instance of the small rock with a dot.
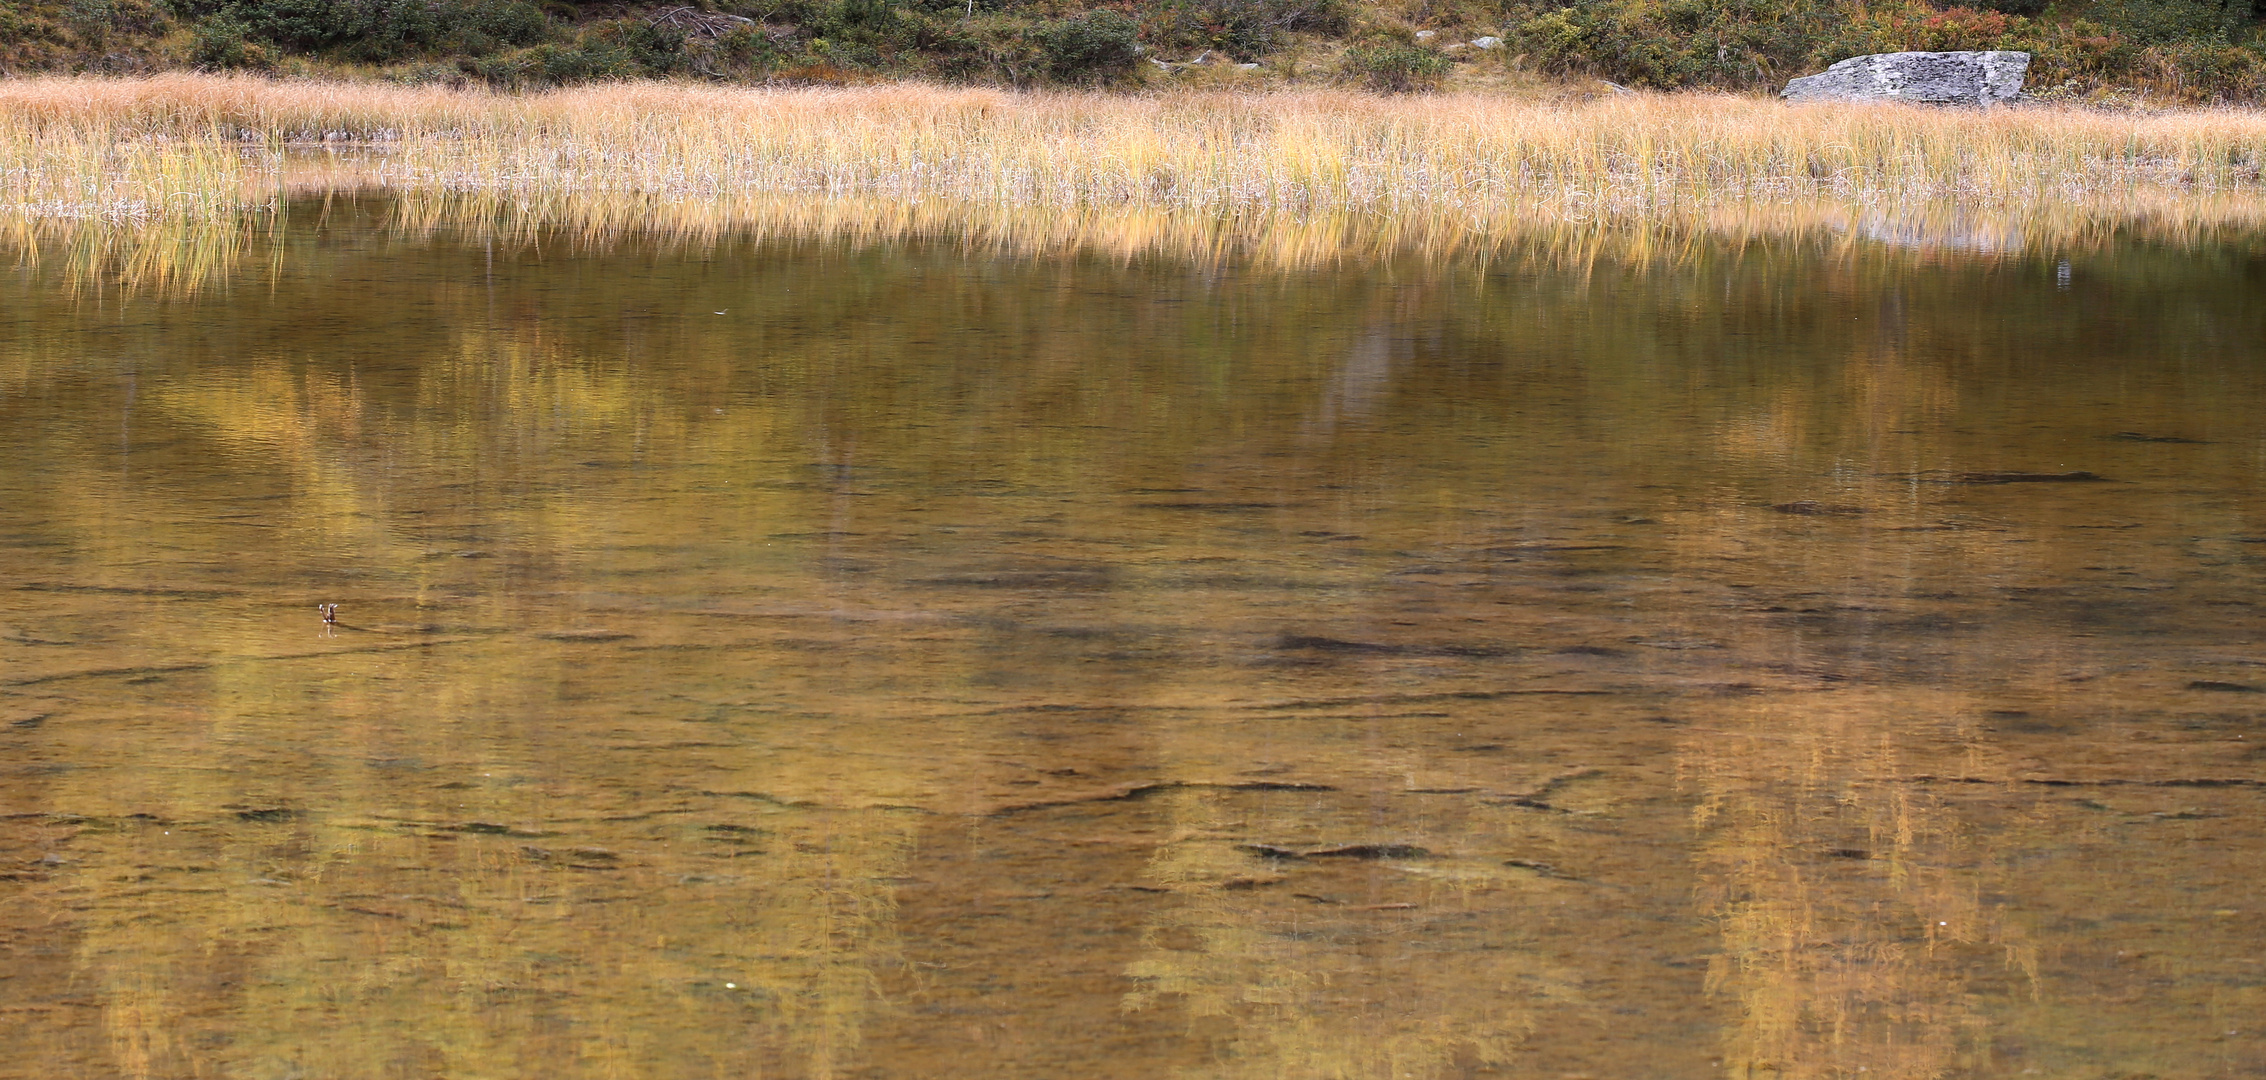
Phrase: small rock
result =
(1489, 42)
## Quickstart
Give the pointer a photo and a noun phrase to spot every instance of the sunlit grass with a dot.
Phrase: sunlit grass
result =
(1300, 176)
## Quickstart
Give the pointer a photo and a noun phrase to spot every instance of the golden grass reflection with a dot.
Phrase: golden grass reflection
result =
(1297, 986)
(1845, 890)
(474, 931)
(176, 257)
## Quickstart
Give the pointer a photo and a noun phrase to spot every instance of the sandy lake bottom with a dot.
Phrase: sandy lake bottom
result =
(782, 659)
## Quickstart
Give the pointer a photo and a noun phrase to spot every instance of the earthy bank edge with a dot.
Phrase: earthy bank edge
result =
(1315, 174)
(2171, 50)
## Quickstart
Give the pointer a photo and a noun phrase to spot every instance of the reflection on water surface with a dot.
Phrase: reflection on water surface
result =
(803, 660)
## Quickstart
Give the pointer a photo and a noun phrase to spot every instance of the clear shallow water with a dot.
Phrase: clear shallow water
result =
(800, 661)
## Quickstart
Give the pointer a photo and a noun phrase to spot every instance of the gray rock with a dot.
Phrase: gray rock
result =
(1489, 42)
(1932, 78)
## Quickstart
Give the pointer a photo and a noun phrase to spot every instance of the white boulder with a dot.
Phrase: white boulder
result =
(1932, 78)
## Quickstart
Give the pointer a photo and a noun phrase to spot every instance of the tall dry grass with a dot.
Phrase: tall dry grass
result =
(1323, 169)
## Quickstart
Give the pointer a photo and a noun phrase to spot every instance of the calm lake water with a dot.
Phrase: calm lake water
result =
(772, 659)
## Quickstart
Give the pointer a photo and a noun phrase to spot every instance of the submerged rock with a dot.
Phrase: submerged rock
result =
(1369, 851)
(1812, 506)
(1339, 851)
(2138, 436)
(1931, 78)
(2027, 478)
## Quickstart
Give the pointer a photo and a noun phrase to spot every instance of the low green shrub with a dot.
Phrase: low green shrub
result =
(1093, 47)
(1395, 67)
(654, 50)
(602, 51)
(378, 30)
(744, 53)
(223, 44)
(2158, 22)
(879, 24)
(1243, 29)
(991, 47)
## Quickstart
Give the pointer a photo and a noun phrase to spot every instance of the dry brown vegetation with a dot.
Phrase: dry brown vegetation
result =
(1308, 173)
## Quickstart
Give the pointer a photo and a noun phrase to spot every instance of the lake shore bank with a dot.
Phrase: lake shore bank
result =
(2101, 51)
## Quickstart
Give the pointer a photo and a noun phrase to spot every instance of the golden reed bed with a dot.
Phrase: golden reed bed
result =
(1300, 176)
